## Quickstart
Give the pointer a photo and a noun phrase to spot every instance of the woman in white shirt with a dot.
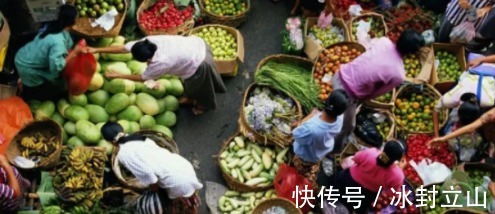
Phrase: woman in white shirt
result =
(189, 58)
(156, 167)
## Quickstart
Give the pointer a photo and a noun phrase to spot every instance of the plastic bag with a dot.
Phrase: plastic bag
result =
(325, 21)
(431, 172)
(14, 114)
(355, 10)
(463, 32)
(79, 71)
(149, 203)
(366, 131)
(286, 181)
(338, 209)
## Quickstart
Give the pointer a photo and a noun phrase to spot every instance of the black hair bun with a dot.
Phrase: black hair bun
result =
(469, 97)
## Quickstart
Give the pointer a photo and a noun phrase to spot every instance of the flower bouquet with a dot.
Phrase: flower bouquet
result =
(293, 42)
(271, 114)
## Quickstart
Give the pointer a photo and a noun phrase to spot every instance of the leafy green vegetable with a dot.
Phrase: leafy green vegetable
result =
(292, 80)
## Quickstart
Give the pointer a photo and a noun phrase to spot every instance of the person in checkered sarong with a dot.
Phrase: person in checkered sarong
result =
(314, 135)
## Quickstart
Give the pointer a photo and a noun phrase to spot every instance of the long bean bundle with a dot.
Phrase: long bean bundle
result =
(292, 80)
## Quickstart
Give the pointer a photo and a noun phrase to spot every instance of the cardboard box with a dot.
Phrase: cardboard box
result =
(311, 47)
(456, 49)
(44, 10)
(227, 67)
(427, 60)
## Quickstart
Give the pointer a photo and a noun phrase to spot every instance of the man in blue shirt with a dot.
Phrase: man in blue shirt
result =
(314, 137)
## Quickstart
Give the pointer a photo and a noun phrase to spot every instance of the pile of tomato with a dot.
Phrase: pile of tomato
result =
(164, 15)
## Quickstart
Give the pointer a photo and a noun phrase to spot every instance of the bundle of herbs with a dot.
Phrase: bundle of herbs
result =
(292, 80)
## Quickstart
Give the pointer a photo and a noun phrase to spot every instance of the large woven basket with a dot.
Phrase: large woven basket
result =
(7, 91)
(424, 89)
(128, 196)
(232, 21)
(83, 25)
(286, 59)
(47, 128)
(354, 45)
(287, 205)
(233, 183)
(254, 135)
(387, 113)
(376, 15)
(126, 178)
(182, 29)
(311, 47)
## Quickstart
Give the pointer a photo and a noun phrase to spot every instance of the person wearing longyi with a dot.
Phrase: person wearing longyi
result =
(12, 187)
(189, 58)
(156, 167)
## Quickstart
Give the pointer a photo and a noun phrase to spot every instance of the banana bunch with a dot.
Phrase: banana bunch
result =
(38, 145)
(79, 179)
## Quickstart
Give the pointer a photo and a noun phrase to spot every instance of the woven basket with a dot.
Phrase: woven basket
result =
(286, 59)
(387, 113)
(351, 45)
(311, 46)
(375, 104)
(7, 91)
(287, 205)
(254, 135)
(427, 90)
(232, 21)
(233, 183)
(379, 16)
(182, 29)
(129, 195)
(349, 150)
(128, 180)
(83, 25)
(47, 128)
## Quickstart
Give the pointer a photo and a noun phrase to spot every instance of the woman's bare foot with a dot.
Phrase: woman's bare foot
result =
(197, 110)
(186, 101)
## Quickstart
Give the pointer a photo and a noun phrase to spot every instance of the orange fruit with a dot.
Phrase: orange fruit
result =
(415, 105)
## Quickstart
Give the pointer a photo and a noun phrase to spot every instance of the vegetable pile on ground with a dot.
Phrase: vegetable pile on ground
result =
(429, 203)
(412, 65)
(38, 145)
(222, 43)
(407, 16)
(233, 201)
(131, 104)
(327, 36)
(271, 114)
(226, 7)
(94, 8)
(386, 98)
(79, 180)
(164, 15)
(251, 164)
(415, 112)
(377, 28)
(448, 69)
(418, 150)
(384, 202)
(292, 80)
(328, 64)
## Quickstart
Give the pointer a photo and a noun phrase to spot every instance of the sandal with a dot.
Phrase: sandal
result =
(186, 101)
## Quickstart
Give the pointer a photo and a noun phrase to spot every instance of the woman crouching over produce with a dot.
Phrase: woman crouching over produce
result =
(190, 58)
(373, 169)
(12, 187)
(41, 61)
(314, 138)
(375, 72)
(156, 167)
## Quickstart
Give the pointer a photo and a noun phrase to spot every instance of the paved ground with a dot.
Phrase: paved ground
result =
(200, 137)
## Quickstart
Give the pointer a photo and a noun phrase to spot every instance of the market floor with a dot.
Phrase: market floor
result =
(200, 137)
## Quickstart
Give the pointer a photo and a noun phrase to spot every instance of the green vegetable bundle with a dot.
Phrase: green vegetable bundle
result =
(292, 80)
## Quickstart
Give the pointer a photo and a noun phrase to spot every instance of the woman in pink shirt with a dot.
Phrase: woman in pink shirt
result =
(373, 169)
(377, 71)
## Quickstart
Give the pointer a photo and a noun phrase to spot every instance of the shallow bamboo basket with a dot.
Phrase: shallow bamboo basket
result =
(286, 59)
(254, 135)
(368, 14)
(233, 183)
(47, 128)
(182, 29)
(232, 21)
(83, 25)
(425, 90)
(349, 150)
(376, 104)
(129, 181)
(322, 59)
(287, 205)
(128, 194)
(390, 118)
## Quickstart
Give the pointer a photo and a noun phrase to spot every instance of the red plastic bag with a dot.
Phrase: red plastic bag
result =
(14, 114)
(286, 181)
(79, 71)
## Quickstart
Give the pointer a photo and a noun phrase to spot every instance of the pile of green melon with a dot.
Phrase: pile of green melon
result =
(131, 104)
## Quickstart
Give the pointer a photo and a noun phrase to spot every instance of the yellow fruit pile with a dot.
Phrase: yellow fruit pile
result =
(415, 112)
(38, 145)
